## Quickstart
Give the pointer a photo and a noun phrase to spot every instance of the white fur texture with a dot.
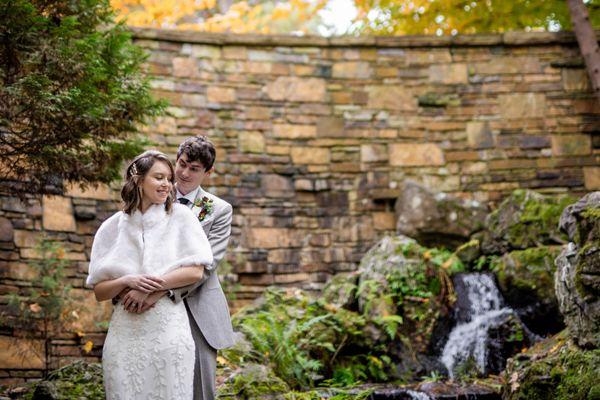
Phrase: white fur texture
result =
(151, 243)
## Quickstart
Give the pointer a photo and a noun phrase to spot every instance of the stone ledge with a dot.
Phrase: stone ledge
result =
(226, 39)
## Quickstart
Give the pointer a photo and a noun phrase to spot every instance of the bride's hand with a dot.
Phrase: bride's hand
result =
(134, 301)
(144, 283)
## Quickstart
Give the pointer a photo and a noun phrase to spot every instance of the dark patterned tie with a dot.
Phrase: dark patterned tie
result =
(184, 201)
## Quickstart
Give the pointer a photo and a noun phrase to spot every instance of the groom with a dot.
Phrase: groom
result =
(205, 301)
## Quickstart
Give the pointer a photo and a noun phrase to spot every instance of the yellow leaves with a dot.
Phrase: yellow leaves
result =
(79, 334)
(203, 15)
(221, 360)
(88, 346)
(35, 308)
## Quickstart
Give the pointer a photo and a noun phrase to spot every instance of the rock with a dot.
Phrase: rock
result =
(45, 391)
(526, 279)
(341, 290)
(6, 230)
(577, 277)
(254, 382)
(85, 213)
(554, 368)
(436, 219)
(390, 255)
(578, 227)
(469, 252)
(524, 219)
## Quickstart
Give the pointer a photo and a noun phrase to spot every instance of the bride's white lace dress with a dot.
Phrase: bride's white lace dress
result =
(149, 355)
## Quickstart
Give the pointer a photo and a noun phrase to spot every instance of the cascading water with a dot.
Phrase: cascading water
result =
(483, 310)
(418, 395)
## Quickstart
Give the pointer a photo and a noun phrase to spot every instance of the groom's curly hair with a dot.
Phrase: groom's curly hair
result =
(198, 148)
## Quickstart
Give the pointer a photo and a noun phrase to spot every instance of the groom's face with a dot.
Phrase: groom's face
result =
(189, 174)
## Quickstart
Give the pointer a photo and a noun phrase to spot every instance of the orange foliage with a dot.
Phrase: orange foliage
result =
(203, 15)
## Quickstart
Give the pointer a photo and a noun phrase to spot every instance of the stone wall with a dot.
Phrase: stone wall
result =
(314, 138)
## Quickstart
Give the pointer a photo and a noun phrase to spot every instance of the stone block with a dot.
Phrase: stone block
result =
(270, 238)
(216, 94)
(89, 311)
(274, 185)
(373, 153)
(234, 52)
(26, 238)
(391, 98)
(591, 177)
(292, 278)
(448, 74)
(18, 353)
(330, 127)
(202, 51)
(287, 88)
(260, 113)
(251, 142)
(6, 230)
(384, 221)
(571, 145)
(479, 135)
(101, 192)
(21, 271)
(58, 214)
(575, 80)
(429, 56)
(415, 154)
(310, 155)
(352, 70)
(286, 131)
(185, 67)
(522, 105)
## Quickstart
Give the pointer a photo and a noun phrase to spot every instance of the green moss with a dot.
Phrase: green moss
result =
(530, 270)
(253, 382)
(554, 369)
(79, 380)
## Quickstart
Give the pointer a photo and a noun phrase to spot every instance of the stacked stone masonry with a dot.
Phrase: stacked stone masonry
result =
(314, 137)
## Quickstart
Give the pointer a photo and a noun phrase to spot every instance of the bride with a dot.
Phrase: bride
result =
(152, 245)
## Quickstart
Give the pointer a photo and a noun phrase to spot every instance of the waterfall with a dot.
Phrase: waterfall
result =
(418, 395)
(481, 309)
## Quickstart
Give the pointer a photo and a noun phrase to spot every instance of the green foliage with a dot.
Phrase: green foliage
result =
(73, 94)
(306, 340)
(390, 17)
(330, 393)
(253, 382)
(79, 380)
(43, 308)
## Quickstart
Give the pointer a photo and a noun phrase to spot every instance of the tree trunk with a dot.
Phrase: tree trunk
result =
(588, 44)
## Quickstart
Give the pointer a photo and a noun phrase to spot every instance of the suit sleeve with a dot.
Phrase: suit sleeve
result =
(218, 237)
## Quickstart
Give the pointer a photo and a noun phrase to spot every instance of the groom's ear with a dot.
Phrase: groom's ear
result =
(210, 171)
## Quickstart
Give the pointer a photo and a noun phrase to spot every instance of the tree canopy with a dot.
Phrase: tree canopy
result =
(72, 94)
(379, 17)
(464, 16)
(264, 16)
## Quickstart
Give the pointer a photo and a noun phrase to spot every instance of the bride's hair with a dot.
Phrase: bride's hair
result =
(134, 176)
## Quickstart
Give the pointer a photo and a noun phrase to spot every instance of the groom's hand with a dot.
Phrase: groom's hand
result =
(152, 299)
(134, 300)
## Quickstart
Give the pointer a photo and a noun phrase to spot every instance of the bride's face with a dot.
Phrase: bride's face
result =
(156, 185)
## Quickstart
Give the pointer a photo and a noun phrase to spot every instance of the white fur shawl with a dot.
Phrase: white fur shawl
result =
(151, 243)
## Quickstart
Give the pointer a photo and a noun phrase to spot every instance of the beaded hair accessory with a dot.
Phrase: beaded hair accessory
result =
(133, 169)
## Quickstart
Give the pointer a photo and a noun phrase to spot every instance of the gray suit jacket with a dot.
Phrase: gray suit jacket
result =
(205, 299)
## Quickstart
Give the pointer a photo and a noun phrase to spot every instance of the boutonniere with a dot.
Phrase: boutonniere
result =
(206, 207)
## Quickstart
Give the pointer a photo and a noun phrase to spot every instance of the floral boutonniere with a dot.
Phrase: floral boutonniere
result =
(206, 207)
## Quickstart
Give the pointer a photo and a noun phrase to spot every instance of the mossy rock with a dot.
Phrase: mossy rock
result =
(79, 380)
(469, 252)
(253, 382)
(341, 290)
(553, 369)
(524, 219)
(530, 270)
